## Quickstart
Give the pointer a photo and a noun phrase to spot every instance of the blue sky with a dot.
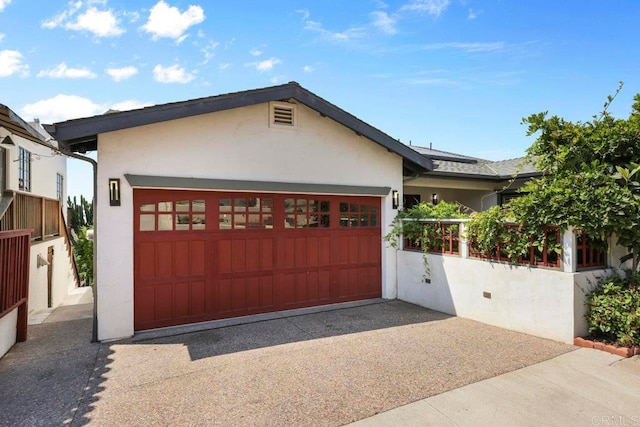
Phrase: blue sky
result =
(459, 74)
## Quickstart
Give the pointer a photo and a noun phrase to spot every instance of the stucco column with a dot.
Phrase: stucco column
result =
(464, 243)
(569, 251)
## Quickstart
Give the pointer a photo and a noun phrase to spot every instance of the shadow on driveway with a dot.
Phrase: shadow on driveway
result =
(305, 327)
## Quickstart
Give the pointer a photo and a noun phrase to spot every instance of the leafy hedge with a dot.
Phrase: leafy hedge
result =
(614, 309)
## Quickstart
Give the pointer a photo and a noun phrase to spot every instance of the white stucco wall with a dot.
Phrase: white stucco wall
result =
(8, 329)
(63, 279)
(234, 144)
(537, 301)
(44, 167)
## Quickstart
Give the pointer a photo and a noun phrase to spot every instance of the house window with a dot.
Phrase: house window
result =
(59, 192)
(24, 169)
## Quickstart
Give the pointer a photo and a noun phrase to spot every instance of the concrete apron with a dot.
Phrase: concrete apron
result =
(244, 320)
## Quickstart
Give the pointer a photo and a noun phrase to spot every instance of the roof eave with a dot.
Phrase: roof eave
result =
(82, 134)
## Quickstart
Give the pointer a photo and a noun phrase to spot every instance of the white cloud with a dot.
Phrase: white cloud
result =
(209, 51)
(123, 73)
(61, 71)
(168, 21)
(384, 22)
(65, 107)
(172, 74)
(255, 52)
(224, 66)
(129, 104)
(335, 36)
(432, 7)
(473, 14)
(102, 23)
(266, 65)
(307, 69)
(1, 36)
(11, 63)
(3, 4)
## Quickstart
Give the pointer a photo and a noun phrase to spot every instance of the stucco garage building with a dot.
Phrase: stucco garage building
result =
(237, 204)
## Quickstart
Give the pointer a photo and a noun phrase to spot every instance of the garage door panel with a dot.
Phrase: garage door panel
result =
(164, 301)
(301, 288)
(224, 295)
(286, 289)
(313, 293)
(286, 252)
(324, 250)
(266, 254)
(197, 257)
(266, 291)
(224, 255)
(252, 292)
(181, 259)
(201, 272)
(145, 304)
(253, 255)
(197, 298)
(238, 294)
(300, 252)
(238, 256)
(146, 260)
(164, 259)
(181, 300)
(324, 285)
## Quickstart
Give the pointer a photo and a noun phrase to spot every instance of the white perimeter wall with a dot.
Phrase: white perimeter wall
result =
(63, 278)
(8, 329)
(233, 144)
(542, 302)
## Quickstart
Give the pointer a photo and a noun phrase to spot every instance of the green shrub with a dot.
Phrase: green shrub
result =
(83, 253)
(613, 309)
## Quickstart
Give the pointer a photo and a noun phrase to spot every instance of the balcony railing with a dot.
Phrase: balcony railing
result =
(39, 214)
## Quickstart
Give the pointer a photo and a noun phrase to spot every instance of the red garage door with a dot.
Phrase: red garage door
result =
(209, 255)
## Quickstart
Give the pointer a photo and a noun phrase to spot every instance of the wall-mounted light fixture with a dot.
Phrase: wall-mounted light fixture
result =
(114, 191)
(434, 198)
(395, 199)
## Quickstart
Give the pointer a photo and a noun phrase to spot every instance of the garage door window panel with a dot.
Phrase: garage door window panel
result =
(182, 215)
(307, 213)
(358, 215)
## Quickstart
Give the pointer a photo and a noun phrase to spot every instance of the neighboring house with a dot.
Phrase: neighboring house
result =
(32, 193)
(250, 202)
(475, 183)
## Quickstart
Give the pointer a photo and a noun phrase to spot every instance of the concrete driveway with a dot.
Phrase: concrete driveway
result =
(327, 368)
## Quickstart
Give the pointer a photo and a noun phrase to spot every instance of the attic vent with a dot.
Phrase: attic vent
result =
(282, 115)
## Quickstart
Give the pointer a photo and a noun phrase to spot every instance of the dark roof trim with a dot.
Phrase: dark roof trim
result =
(148, 181)
(17, 126)
(81, 134)
(478, 177)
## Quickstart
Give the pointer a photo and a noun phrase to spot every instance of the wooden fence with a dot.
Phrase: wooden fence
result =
(15, 250)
